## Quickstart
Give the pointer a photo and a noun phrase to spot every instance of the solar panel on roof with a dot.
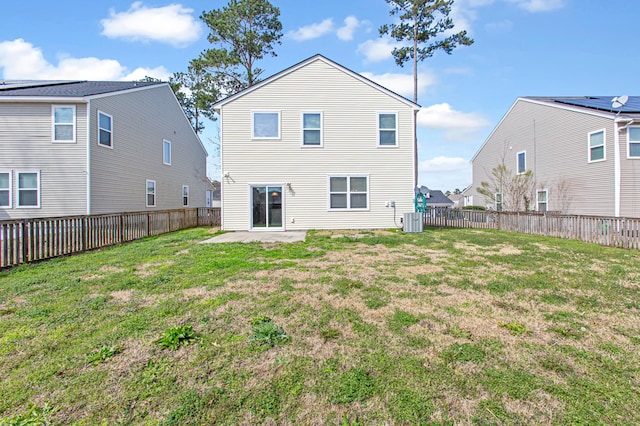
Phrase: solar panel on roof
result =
(602, 103)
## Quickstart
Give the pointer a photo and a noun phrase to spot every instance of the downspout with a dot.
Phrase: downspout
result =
(89, 157)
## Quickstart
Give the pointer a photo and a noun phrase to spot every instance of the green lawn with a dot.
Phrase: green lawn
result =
(445, 327)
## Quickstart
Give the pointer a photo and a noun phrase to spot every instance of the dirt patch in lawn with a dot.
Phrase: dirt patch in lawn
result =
(149, 269)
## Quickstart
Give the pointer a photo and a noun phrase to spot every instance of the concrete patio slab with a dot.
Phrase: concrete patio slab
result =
(264, 237)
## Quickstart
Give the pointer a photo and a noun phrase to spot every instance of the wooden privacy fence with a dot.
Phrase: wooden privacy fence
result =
(28, 240)
(607, 231)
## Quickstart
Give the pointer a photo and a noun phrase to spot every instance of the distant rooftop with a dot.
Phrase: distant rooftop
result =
(65, 88)
(599, 103)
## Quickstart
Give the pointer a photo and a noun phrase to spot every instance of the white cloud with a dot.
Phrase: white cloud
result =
(172, 24)
(402, 84)
(22, 60)
(457, 125)
(534, 6)
(312, 31)
(351, 23)
(444, 164)
(377, 50)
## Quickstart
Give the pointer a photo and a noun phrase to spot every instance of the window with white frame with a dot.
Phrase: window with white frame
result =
(151, 193)
(312, 129)
(542, 200)
(387, 129)
(266, 125)
(63, 118)
(521, 162)
(166, 152)
(348, 192)
(185, 195)
(28, 188)
(596, 146)
(633, 138)
(5, 189)
(105, 130)
(498, 199)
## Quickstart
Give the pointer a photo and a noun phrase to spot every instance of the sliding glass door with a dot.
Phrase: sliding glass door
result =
(266, 207)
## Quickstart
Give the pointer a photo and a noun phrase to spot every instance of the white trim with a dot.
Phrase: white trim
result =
(166, 143)
(18, 172)
(98, 112)
(538, 191)
(604, 146)
(250, 227)
(306, 62)
(10, 188)
(518, 172)
(265, 111)
(348, 193)
(147, 193)
(188, 196)
(302, 129)
(629, 156)
(53, 124)
(222, 171)
(378, 129)
(88, 142)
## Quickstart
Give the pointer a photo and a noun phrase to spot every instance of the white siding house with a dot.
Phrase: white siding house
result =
(580, 151)
(77, 147)
(316, 146)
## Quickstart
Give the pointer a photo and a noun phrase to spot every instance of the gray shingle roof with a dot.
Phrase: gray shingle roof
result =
(71, 89)
(435, 197)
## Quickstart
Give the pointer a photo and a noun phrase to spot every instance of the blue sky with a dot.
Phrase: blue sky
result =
(522, 48)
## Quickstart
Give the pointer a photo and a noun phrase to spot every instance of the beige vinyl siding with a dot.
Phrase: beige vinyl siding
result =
(142, 119)
(556, 143)
(350, 112)
(629, 181)
(26, 145)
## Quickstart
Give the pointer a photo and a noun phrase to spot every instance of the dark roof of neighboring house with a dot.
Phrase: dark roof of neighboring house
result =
(436, 197)
(71, 89)
(594, 103)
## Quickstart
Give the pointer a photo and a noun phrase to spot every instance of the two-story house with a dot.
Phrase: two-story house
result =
(90, 147)
(316, 146)
(583, 153)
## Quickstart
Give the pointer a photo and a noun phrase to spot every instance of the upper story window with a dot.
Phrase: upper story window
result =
(348, 192)
(151, 193)
(633, 137)
(596, 146)
(166, 152)
(5, 189)
(387, 129)
(64, 123)
(185, 195)
(542, 200)
(312, 129)
(521, 162)
(105, 130)
(28, 189)
(266, 125)
(498, 199)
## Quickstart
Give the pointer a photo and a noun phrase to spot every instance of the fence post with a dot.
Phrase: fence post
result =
(25, 241)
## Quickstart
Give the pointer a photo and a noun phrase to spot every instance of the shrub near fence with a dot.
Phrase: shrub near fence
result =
(28, 240)
(606, 231)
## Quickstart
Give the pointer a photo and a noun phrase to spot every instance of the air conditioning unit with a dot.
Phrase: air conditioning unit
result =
(412, 222)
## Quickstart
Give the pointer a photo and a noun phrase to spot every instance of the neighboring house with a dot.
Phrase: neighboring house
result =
(213, 194)
(584, 155)
(316, 146)
(436, 198)
(457, 199)
(88, 147)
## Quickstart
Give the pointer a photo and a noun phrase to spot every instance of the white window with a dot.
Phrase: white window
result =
(348, 192)
(311, 129)
(542, 200)
(63, 118)
(28, 189)
(596, 146)
(633, 137)
(185, 195)
(105, 130)
(166, 152)
(387, 129)
(5, 189)
(266, 125)
(498, 199)
(521, 162)
(151, 193)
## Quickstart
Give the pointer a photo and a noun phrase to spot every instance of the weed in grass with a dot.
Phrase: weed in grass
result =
(465, 352)
(35, 416)
(101, 355)
(267, 333)
(408, 406)
(355, 384)
(514, 328)
(175, 337)
(346, 422)
(329, 333)
(374, 302)
(400, 320)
